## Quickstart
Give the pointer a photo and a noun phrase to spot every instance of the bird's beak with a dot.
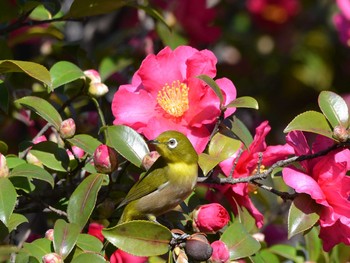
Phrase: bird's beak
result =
(153, 142)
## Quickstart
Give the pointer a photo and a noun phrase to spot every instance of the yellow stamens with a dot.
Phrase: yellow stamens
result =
(174, 99)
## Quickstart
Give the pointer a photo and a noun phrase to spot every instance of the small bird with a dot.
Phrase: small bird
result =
(167, 183)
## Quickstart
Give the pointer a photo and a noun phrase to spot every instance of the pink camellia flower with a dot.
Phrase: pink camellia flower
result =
(120, 256)
(105, 159)
(220, 252)
(67, 128)
(325, 180)
(210, 218)
(246, 165)
(165, 94)
(95, 229)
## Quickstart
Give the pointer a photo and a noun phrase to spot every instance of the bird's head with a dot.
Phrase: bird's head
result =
(175, 147)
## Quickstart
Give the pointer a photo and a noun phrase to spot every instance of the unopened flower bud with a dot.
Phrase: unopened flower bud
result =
(95, 229)
(78, 152)
(39, 139)
(198, 248)
(97, 90)
(67, 128)
(52, 258)
(33, 160)
(49, 234)
(105, 159)
(4, 170)
(340, 133)
(93, 75)
(210, 218)
(149, 159)
(220, 252)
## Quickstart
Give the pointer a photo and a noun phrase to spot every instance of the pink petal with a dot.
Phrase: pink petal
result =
(201, 62)
(344, 6)
(335, 234)
(298, 141)
(276, 153)
(229, 92)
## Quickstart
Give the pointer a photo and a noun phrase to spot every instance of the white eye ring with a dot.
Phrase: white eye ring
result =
(172, 143)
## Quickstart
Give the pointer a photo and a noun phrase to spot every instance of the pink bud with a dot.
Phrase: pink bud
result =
(78, 152)
(49, 234)
(41, 138)
(105, 159)
(33, 160)
(95, 229)
(52, 258)
(220, 252)
(93, 75)
(340, 133)
(97, 90)
(149, 159)
(67, 128)
(210, 218)
(121, 256)
(4, 170)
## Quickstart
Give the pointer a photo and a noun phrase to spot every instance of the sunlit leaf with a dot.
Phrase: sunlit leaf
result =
(141, 238)
(89, 243)
(43, 109)
(240, 131)
(16, 220)
(215, 87)
(128, 143)
(38, 248)
(65, 237)
(85, 142)
(64, 72)
(8, 198)
(32, 171)
(244, 102)
(287, 252)
(313, 244)
(310, 121)
(13, 161)
(89, 257)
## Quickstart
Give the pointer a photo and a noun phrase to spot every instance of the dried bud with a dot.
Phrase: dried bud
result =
(4, 170)
(149, 159)
(93, 75)
(210, 218)
(105, 159)
(52, 258)
(198, 248)
(340, 133)
(67, 129)
(49, 234)
(97, 90)
(220, 252)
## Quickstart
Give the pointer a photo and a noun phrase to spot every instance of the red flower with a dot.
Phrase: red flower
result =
(220, 252)
(324, 179)
(210, 218)
(95, 229)
(120, 256)
(246, 165)
(166, 95)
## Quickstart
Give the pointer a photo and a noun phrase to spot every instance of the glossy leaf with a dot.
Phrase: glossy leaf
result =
(38, 248)
(65, 237)
(32, 171)
(215, 87)
(88, 257)
(313, 244)
(16, 220)
(64, 72)
(32, 69)
(83, 200)
(310, 121)
(8, 198)
(51, 155)
(13, 161)
(303, 214)
(140, 238)
(84, 8)
(334, 108)
(264, 256)
(85, 142)
(244, 102)
(128, 143)
(287, 252)
(239, 242)
(241, 132)
(43, 109)
(89, 243)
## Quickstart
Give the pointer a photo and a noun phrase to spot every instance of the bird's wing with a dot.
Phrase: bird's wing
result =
(149, 183)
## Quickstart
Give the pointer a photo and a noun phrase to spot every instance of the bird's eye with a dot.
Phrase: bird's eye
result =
(172, 143)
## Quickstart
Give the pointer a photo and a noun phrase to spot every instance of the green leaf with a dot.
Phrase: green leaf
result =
(303, 214)
(89, 243)
(215, 87)
(140, 238)
(171, 38)
(43, 109)
(313, 244)
(264, 256)
(287, 251)
(244, 102)
(85, 142)
(8, 197)
(64, 72)
(241, 132)
(16, 220)
(109, 65)
(83, 200)
(32, 171)
(65, 237)
(32, 69)
(85, 8)
(51, 155)
(220, 148)
(88, 257)
(334, 108)
(6, 251)
(13, 161)
(239, 242)
(38, 248)
(310, 121)
(128, 143)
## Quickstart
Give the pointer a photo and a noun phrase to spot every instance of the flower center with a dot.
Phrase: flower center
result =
(174, 99)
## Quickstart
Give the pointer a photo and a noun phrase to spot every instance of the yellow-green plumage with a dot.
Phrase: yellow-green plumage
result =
(167, 183)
